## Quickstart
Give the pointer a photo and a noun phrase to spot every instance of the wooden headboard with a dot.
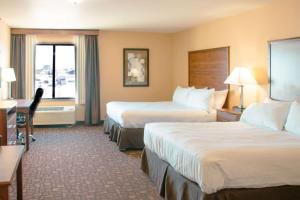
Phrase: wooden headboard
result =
(209, 68)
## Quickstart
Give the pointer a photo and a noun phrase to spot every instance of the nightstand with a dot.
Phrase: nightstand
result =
(228, 115)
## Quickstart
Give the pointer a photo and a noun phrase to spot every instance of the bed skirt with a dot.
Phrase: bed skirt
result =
(173, 186)
(126, 138)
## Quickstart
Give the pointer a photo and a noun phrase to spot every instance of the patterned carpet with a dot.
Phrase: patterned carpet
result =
(81, 163)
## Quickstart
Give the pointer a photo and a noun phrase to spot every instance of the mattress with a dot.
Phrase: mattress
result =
(220, 155)
(137, 114)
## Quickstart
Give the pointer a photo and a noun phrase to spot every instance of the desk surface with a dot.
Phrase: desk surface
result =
(23, 103)
(10, 157)
(7, 104)
(19, 103)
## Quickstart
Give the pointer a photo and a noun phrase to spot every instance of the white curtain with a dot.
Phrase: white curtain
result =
(30, 42)
(79, 41)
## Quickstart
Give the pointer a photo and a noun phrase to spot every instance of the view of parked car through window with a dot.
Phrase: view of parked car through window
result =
(55, 70)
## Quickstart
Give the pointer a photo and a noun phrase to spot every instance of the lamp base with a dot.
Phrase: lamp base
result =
(239, 108)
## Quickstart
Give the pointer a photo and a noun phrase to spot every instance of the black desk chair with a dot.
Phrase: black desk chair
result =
(21, 118)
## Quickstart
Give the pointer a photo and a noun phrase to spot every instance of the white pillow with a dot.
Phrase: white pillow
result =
(293, 120)
(200, 98)
(180, 94)
(269, 115)
(219, 99)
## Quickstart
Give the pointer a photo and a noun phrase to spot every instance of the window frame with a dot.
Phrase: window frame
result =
(54, 68)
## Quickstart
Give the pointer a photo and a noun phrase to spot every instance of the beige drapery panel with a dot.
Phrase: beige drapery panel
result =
(79, 41)
(30, 42)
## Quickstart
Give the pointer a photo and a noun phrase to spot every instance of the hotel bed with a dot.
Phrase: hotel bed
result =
(256, 158)
(251, 159)
(137, 114)
(126, 120)
(208, 68)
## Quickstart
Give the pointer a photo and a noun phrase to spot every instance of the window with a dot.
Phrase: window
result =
(55, 70)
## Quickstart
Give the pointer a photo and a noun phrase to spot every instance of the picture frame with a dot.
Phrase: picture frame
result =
(135, 67)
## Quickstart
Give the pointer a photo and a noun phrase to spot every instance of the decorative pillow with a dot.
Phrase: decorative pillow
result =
(293, 120)
(219, 99)
(269, 115)
(181, 94)
(200, 98)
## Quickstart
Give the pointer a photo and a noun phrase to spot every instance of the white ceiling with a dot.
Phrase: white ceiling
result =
(129, 15)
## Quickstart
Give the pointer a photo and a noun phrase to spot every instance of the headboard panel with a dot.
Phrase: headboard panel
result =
(209, 68)
(284, 69)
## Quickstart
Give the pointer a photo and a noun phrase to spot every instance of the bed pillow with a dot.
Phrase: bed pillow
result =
(180, 95)
(268, 115)
(219, 99)
(200, 98)
(293, 120)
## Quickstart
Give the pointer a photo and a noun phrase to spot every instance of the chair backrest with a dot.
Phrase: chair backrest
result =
(37, 98)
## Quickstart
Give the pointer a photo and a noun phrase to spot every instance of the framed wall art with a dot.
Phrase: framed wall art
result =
(135, 67)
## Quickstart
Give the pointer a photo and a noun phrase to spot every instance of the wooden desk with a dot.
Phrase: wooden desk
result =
(23, 106)
(11, 164)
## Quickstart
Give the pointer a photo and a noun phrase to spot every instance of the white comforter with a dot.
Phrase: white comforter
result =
(221, 155)
(137, 114)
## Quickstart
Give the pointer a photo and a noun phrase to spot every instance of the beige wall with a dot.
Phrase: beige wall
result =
(4, 53)
(111, 67)
(247, 35)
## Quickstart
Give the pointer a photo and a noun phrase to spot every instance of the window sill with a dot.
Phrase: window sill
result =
(58, 99)
(58, 102)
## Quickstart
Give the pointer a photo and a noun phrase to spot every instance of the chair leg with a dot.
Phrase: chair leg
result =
(31, 127)
(20, 137)
(17, 133)
(32, 138)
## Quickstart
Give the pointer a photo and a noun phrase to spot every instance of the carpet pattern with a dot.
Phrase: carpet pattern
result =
(80, 163)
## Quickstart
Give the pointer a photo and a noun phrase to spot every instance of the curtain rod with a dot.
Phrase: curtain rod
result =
(55, 31)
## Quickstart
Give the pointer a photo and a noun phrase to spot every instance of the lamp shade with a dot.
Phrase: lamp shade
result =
(8, 75)
(240, 76)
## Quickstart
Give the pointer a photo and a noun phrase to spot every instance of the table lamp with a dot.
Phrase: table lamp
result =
(8, 75)
(241, 76)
